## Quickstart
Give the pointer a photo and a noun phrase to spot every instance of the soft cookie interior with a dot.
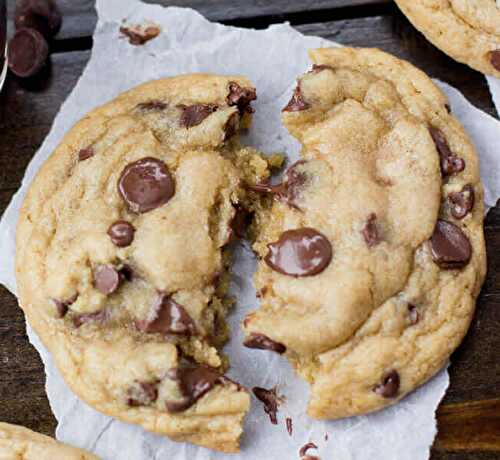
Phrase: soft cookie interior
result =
(371, 248)
(123, 249)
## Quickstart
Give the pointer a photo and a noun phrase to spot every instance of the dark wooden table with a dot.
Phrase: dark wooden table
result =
(469, 416)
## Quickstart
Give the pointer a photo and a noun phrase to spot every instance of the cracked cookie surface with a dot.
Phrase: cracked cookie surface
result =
(466, 30)
(122, 255)
(19, 443)
(371, 248)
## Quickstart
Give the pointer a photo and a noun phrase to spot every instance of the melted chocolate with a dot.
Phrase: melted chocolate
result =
(262, 342)
(370, 231)
(495, 59)
(461, 203)
(143, 394)
(241, 97)
(450, 247)
(450, 163)
(62, 306)
(299, 252)
(193, 115)
(151, 106)
(389, 386)
(86, 153)
(270, 400)
(297, 103)
(137, 36)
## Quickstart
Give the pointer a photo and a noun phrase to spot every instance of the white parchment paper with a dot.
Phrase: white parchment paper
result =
(272, 58)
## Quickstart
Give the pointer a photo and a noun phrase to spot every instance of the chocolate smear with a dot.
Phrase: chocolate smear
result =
(299, 252)
(389, 386)
(146, 184)
(168, 317)
(241, 97)
(139, 35)
(193, 115)
(271, 402)
(121, 233)
(305, 448)
(297, 103)
(450, 247)
(151, 106)
(262, 342)
(370, 231)
(106, 279)
(193, 383)
(86, 153)
(62, 306)
(142, 394)
(27, 52)
(450, 163)
(461, 203)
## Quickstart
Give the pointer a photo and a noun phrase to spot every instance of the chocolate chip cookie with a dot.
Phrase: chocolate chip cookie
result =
(122, 255)
(466, 30)
(371, 247)
(19, 443)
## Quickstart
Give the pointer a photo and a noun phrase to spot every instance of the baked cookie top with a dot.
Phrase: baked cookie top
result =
(371, 248)
(466, 30)
(121, 255)
(19, 443)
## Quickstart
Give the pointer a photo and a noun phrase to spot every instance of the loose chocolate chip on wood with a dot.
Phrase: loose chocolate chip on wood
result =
(142, 394)
(106, 279)
(461, 203)
(121, 233)
(168, 318)
(297, 103)
(41, 15)
(241, 97)
(389, 386)
(299, 252)
(450, 163)
(86, 153)
(495, 59)
(151, 106)
(270, 400)
(370, 231)
(262, 342)
(62, 306)
(450, 247)
(305, 448)
(193, 115)
(138, 35)
(193, 383)
(146, 184)
(101, 315)
(27, 52)
(413, 314)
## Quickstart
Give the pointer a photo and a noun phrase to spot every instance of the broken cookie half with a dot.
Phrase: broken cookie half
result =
(123, 252)
(371, 248)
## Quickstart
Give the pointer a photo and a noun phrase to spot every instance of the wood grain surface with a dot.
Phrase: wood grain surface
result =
(469, 417)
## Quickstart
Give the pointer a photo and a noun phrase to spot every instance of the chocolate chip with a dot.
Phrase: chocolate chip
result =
(41, 15)
(231, 125)
(370, 231)
(448, 108)
(151, 106)
(262, 342)
(121, 233)
(194, 383)
(139, 36)
(389, 386)
(271, 402)
(461, 203)
(193, 115)
(289, 425)
(62, 305)
(303, 451)
(289, 191)
(86, 153)
(297, 102)
(168, 318)
(299, 252)
(316, 68)
(146, 184)
(241, 97)
(239, 223)
(126, 273)
(27, 52)
(450, 163)
(495, 59)
(413, 314)
(101, 315)
(450, 247)
(142, 394)
(106, 279)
